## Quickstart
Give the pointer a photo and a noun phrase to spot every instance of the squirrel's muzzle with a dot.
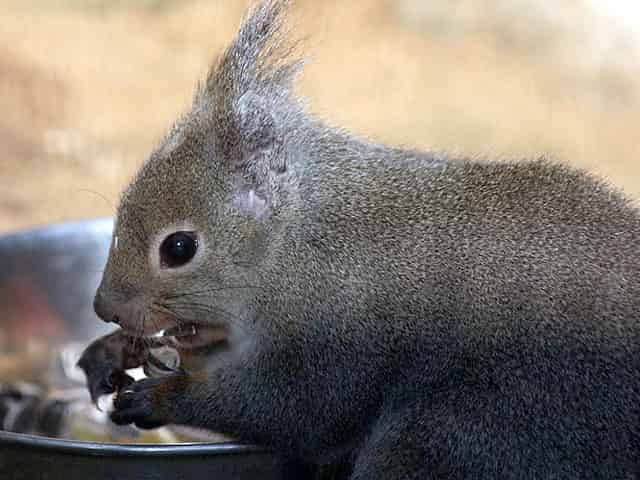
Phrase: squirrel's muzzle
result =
(104, 308)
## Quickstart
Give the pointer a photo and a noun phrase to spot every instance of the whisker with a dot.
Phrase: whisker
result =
(138, 332)
(211, 290)
(155, 324)
(108, 201)
(166, 309)
(205, 308)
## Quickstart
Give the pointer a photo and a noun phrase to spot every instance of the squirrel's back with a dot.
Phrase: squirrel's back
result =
(490, 241)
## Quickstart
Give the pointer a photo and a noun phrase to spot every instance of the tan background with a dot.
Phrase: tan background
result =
(88, 86)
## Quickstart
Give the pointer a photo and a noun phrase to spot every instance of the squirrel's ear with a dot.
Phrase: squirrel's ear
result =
(258, 158)
(249, 89)
(259, 139)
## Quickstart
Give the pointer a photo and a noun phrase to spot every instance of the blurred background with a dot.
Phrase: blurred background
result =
(87, 87)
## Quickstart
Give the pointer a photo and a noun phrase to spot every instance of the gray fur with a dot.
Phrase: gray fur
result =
(420, 316)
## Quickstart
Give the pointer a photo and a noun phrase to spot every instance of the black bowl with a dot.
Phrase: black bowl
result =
(27, 457)
(48, 277)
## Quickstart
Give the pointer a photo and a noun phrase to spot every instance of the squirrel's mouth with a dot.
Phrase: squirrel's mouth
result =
(190, 335)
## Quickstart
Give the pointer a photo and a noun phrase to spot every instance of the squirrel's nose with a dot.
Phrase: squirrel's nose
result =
(104, 308)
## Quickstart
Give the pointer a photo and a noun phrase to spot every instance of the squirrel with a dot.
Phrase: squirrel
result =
(418, 314)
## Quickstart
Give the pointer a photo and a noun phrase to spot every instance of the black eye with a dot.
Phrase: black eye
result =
(178, 249)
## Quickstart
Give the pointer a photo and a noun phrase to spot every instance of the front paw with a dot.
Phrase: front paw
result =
(103, 379)
(106, 360)
(148, 403)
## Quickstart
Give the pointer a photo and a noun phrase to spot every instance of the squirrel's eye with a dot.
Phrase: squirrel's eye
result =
(178, 249)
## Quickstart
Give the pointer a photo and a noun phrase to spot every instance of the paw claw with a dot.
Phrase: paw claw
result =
(136, 404)
(132, 415)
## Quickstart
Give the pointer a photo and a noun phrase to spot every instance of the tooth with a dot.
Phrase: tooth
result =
(181, 331)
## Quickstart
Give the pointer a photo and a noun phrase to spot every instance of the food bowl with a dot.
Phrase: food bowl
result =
(48, 277)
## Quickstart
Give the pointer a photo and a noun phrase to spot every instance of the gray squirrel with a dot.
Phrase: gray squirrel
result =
(415, 315)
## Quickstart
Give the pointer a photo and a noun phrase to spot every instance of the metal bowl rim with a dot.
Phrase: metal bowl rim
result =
(56, 228)
(127, 450)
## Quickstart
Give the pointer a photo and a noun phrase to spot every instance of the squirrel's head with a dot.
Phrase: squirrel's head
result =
(196, 223)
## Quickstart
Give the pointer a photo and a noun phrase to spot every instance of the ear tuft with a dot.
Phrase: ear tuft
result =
(261, 57)
(261, 50)
(249, 92)
(255, 121)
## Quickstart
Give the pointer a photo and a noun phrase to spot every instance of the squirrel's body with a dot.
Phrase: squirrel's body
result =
(420, 316)
(513, 280)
